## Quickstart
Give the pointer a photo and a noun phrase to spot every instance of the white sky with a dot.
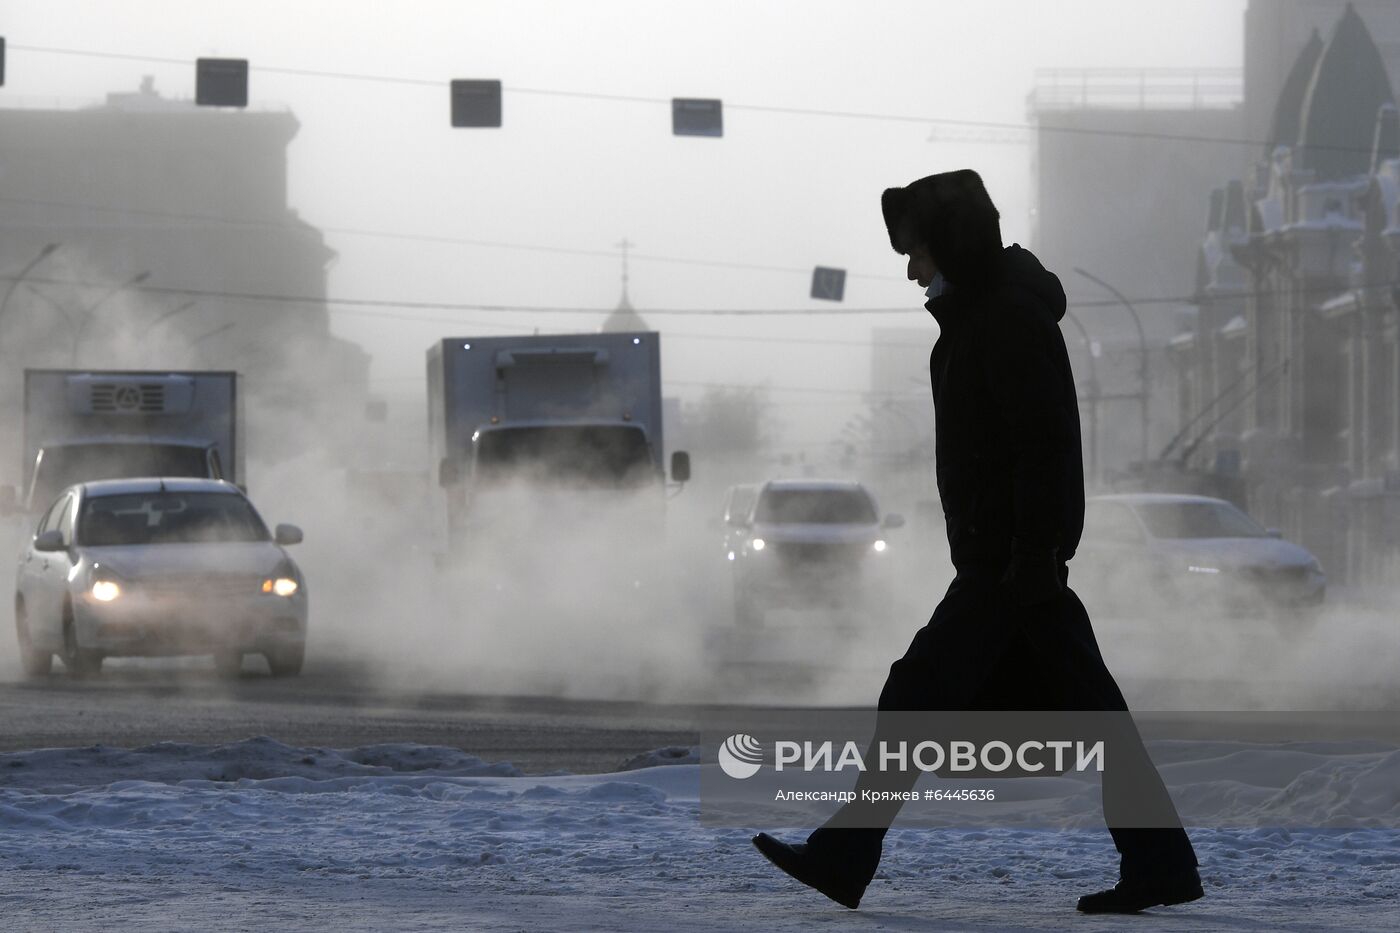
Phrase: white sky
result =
(777, 190)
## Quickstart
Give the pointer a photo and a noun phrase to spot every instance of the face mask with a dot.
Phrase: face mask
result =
(938, 285)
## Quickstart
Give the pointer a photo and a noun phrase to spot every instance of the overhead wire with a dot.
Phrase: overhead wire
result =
(643, 257)
(314, 230)
(728, 105)
(457, 305)
(361, 305)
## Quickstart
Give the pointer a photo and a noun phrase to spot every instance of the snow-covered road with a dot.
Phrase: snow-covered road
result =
(258, 835)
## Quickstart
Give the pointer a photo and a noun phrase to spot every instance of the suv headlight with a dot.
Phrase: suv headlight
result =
(879, 546)
(757, 544)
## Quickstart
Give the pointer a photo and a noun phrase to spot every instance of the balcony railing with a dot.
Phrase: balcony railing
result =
(1136, 89)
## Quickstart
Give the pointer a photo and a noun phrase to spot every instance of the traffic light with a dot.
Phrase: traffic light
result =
(221, 82)
(476, 103)
(697, 116)
(829, 284)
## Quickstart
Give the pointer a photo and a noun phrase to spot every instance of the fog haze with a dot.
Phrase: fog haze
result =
(577, 173)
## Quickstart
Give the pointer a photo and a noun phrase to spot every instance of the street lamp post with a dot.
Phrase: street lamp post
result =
(91, 312)
(1142, 349)
(165, 317)
(44, 253)
(62, 311)
(213, 333)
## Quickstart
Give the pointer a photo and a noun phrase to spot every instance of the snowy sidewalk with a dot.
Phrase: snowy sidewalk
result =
(260, 835)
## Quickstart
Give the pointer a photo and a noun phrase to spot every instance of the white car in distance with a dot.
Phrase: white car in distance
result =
(158, 567)
(1182, 553)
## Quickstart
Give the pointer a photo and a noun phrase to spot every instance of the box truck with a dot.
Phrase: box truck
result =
(574, 417)
(82, 425)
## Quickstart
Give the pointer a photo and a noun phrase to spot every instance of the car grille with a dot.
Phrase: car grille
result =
(1276, 574)
(805, 554)
(227, 586)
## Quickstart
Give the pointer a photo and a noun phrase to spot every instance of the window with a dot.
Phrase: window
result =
(583, 457)
(816, 506)
(51, 517)
(169, 518)
(1198, 520)
(63, 465)
(65, 520)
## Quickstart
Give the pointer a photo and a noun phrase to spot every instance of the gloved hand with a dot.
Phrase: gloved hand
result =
(1033, 576)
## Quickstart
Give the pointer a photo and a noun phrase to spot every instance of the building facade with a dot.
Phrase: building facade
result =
(1122, 159)
(156, 234)
(1289, 377)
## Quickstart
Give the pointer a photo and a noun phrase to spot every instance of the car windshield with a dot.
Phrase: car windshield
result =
(816, 506)
(1197, 520)
(168, 518)
(594, 457)
(63, 466)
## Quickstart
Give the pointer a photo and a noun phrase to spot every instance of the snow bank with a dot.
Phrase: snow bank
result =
(59, 769)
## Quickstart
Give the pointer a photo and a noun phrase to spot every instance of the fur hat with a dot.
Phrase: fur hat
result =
(953, 217)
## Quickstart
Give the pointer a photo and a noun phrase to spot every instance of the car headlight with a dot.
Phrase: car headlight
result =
(105, 590)
(758, 544)
(280, 586)
(283, 580)
(880, 546)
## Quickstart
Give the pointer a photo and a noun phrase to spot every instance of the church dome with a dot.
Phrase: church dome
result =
(624, 319)
(1288, 112)
(1348, 88)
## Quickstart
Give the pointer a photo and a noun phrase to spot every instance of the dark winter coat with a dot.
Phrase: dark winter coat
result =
(1009, 463)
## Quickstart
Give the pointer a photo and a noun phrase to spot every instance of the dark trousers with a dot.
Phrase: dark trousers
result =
(980, 652)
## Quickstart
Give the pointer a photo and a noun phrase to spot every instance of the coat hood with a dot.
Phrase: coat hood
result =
(1016, 273)
(953, 217)
(1021, 271)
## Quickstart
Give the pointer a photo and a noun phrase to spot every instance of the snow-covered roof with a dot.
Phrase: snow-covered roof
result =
(1236, 325)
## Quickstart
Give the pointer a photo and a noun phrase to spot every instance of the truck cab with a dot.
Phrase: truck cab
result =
(547, 426)
(58, 466)
(82, 426)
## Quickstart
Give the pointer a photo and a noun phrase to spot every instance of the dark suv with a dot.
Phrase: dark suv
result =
(808, 544)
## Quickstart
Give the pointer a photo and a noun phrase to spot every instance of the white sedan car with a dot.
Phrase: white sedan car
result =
(158, 567)
(1184, 549)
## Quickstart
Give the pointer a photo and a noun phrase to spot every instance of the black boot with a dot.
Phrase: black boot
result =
(1131, 896)
(833, 879)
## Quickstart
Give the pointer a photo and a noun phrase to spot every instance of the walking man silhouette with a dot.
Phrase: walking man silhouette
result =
(1009, 633)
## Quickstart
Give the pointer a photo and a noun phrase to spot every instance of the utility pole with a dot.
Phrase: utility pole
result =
(1142, 349)
(91, 311)
(44, 253)
(1093, 399)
